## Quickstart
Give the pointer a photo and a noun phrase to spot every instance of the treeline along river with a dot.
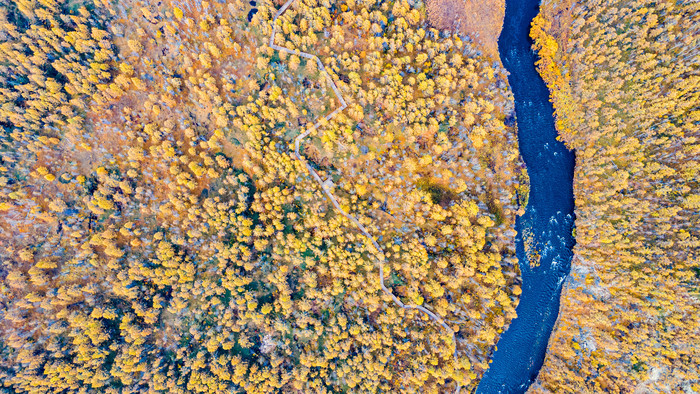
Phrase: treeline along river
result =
(549, 216)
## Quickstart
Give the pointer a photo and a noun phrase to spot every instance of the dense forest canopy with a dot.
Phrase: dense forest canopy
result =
(625, 82)
(158, 233)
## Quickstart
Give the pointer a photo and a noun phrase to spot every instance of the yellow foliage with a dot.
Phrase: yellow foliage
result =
(613, 69)
(183, 224)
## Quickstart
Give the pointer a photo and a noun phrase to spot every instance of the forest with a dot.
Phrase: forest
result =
(625, 83)
(157, 233)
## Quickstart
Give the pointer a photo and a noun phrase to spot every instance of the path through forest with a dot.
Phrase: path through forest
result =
(325, 186)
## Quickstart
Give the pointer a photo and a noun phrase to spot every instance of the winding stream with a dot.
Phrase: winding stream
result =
(549, 215)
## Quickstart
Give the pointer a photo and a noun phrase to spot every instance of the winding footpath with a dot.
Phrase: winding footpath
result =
(325, 186)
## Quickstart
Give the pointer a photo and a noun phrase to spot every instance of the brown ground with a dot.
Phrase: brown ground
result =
(480, 19)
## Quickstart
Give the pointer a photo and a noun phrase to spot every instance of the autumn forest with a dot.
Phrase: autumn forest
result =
(321, 196)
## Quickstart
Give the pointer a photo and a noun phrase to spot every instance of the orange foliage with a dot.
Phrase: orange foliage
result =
(623, 77)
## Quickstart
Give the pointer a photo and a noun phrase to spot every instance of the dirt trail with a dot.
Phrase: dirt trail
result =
(325, 186)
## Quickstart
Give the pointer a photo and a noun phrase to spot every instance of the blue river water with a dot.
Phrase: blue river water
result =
(549, 215)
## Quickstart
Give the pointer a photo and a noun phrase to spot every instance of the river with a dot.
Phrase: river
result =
(549, 215)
